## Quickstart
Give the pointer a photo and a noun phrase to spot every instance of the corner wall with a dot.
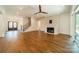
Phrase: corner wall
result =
(3, 22)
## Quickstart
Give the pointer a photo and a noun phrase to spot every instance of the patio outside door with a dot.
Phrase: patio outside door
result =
(77, 26)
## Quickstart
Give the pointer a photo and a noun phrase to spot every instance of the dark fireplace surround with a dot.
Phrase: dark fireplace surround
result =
(50, 29)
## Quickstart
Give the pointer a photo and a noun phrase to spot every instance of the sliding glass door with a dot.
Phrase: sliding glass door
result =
(77, 25)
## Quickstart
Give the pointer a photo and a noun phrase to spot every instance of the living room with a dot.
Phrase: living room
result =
(45, 22)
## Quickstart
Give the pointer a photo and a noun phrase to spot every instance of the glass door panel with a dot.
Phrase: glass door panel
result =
(12, 25)
(15, 25)
(77, 26)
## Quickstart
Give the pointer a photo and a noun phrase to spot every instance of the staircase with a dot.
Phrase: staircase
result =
(27, 24)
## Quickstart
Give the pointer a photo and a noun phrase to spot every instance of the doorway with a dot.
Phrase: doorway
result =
(12, 25)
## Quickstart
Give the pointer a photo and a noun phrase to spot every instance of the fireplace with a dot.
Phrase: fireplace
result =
(50, 29)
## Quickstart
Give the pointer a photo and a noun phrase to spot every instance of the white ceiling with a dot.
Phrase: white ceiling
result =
(29, 10)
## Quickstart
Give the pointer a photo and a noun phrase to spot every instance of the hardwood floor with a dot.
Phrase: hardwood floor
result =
(36, 42)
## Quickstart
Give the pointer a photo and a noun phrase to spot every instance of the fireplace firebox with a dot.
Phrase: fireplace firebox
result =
(50, 29)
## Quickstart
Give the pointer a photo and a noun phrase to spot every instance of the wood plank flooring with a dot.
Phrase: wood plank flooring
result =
(36, 42)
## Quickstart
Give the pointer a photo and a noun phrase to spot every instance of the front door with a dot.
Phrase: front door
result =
(12, 25)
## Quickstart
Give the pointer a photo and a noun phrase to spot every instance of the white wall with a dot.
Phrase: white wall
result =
(2, 26)
(64, 23)
(25, 20)
(3, 22)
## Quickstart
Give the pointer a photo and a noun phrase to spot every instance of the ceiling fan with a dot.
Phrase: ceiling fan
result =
(40, 11)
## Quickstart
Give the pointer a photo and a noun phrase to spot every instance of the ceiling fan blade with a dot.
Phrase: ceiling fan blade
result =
(39, 8)
(41, 12)
(36, 13)
(44, 12)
